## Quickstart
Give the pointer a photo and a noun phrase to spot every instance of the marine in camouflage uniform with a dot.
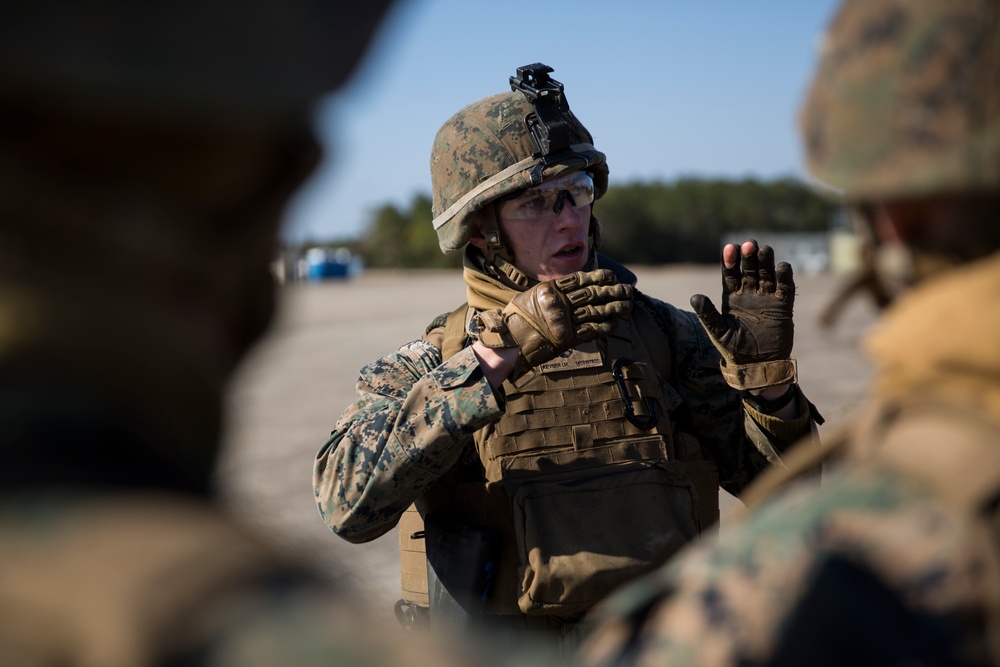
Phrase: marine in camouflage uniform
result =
(146, 151)
(894, 558)
(578, 428)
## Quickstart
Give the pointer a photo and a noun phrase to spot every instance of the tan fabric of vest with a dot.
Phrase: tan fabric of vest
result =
(566, 423)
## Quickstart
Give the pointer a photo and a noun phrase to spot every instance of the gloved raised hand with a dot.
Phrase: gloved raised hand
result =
(754, 332)
(555, 316)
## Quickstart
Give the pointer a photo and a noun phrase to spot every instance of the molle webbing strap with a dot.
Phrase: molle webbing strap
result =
(580, 411)
(595, 401)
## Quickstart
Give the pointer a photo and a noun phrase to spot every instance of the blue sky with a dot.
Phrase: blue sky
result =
(668, 88)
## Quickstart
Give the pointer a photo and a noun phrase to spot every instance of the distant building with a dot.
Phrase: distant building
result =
(836, 250)
(805, 251)
(845, 251)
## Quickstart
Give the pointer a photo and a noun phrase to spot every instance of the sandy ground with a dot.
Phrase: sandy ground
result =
(287, 396)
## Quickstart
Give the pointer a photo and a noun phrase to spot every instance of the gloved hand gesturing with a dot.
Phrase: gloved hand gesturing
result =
(555, 316)
(754, 332)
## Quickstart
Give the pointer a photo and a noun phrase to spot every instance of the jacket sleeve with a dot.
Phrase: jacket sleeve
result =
(413, 417)
(741, 441)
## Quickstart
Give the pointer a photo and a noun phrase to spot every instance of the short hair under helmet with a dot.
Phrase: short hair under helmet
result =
(906, 99)
(490, 149)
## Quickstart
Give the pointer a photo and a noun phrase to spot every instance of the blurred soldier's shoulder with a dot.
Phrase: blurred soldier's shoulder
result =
(895, 527)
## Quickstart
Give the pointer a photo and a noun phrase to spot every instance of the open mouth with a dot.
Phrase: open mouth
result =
(570, 250)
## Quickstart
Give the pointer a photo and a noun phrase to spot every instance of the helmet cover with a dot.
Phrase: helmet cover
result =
(486, 152)
(906, 99)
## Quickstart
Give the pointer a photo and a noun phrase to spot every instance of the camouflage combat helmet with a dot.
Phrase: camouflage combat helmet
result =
(487, 151)
(906, 100)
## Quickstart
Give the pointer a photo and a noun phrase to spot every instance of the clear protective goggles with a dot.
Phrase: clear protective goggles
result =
(549, 198)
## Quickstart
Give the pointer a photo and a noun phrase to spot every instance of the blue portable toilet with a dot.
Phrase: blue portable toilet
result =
(325, 264)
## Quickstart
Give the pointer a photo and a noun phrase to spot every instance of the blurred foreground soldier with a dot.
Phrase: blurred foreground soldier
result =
(895, 558)
(146, 152)
(560, 433)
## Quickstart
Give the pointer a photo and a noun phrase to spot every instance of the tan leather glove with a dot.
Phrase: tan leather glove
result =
(755, 331)
(555, 316)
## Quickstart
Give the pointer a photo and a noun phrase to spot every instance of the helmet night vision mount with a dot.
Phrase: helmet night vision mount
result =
(549, 125)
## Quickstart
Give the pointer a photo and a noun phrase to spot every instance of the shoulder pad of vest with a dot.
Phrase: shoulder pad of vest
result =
(438, 322)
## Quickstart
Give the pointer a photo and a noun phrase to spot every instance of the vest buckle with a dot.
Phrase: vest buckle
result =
(647, 422)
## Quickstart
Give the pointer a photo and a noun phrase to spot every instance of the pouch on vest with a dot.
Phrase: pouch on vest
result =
(460, 557)
(579, 536)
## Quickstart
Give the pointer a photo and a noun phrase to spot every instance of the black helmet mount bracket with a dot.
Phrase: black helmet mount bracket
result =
(549, 125)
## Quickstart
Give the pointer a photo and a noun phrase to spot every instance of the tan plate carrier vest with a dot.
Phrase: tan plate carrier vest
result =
(583, 479)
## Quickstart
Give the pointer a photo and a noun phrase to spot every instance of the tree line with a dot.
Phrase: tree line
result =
(645, 223)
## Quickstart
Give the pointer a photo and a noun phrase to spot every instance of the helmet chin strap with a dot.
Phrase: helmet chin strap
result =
(500, 261)
(595, 239)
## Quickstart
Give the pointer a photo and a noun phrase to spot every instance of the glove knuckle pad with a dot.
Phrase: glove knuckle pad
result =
(580, 296)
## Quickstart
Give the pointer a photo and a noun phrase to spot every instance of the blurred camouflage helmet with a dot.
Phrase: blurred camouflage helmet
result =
(906, 99)
(487, 151)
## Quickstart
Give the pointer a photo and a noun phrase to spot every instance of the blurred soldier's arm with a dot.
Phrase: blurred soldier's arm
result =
(413, 418)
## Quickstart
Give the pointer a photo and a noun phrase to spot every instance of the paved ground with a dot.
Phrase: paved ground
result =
(288, 395)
